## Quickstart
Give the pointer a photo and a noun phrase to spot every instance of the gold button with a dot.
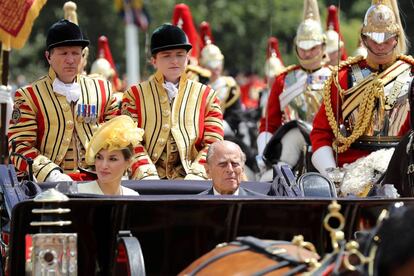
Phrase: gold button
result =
(161, 142)
(69, 124)
(166, 112)
(165, 127)
(66, 141)
(163, 99)
(173, 148)
(154, 157)
(65, 107)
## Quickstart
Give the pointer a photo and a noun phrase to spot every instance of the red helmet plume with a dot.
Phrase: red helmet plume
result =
(105, 52)
(332, 24)
(274, 64)
(273, 48)
(332, 20)
(182, 18)
(206, 34)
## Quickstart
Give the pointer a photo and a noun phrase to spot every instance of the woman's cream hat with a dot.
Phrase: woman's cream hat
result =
(116, 134)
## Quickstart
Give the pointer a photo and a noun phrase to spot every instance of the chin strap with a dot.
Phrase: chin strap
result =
(305, 62)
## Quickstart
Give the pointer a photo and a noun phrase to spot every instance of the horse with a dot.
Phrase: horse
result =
(401, 167)
(273, 150)
(245, 136)
(386, 249)
(252, 256)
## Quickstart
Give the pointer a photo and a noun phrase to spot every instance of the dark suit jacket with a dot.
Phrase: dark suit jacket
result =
(242, 192)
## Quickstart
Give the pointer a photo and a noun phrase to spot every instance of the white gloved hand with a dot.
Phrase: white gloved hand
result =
(323, 158)
(262, 141)
(7, 98)
(56, 176)
(191, 176)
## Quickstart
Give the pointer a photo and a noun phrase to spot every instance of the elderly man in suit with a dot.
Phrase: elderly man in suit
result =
(225, 167)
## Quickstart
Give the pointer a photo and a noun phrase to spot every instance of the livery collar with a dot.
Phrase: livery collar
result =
(158, 76)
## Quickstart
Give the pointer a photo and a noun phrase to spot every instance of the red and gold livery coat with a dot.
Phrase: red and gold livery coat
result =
(193, 119)
(45, 124)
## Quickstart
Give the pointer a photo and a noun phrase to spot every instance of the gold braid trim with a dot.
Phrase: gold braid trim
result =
(407, 59)
(371, 92)
(287, 70)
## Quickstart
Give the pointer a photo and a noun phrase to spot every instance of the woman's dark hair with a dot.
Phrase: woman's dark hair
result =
(128, 152)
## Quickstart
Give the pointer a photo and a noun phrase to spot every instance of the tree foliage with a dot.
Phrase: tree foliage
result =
(240, 28)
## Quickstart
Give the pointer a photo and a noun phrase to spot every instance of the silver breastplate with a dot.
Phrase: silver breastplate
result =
(223, 87)
(389, 116)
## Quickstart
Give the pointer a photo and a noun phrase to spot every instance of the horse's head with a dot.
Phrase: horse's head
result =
(388, 247)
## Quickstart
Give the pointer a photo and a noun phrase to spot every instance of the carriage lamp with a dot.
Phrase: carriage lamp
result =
(51, 252)
(54, 254)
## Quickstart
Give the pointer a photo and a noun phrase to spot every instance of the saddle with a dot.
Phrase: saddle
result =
(273, 149)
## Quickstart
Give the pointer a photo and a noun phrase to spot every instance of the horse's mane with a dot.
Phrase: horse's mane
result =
(392, 240)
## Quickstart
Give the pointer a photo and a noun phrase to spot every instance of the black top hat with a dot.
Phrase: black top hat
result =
(168, 37)
(65, 33)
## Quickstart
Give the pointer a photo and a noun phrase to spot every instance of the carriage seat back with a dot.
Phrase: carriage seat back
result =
(316, 185)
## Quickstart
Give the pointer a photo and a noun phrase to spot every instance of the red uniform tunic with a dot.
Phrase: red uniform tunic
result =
(395, 118)
(295, 95)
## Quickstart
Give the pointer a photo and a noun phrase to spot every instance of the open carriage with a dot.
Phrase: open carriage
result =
(173, 225)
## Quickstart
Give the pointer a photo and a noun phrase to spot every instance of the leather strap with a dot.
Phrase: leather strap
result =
(269, 248)
(271, 268)
(296, 270)
(133, 252)
(294, 90)
(217, 257)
